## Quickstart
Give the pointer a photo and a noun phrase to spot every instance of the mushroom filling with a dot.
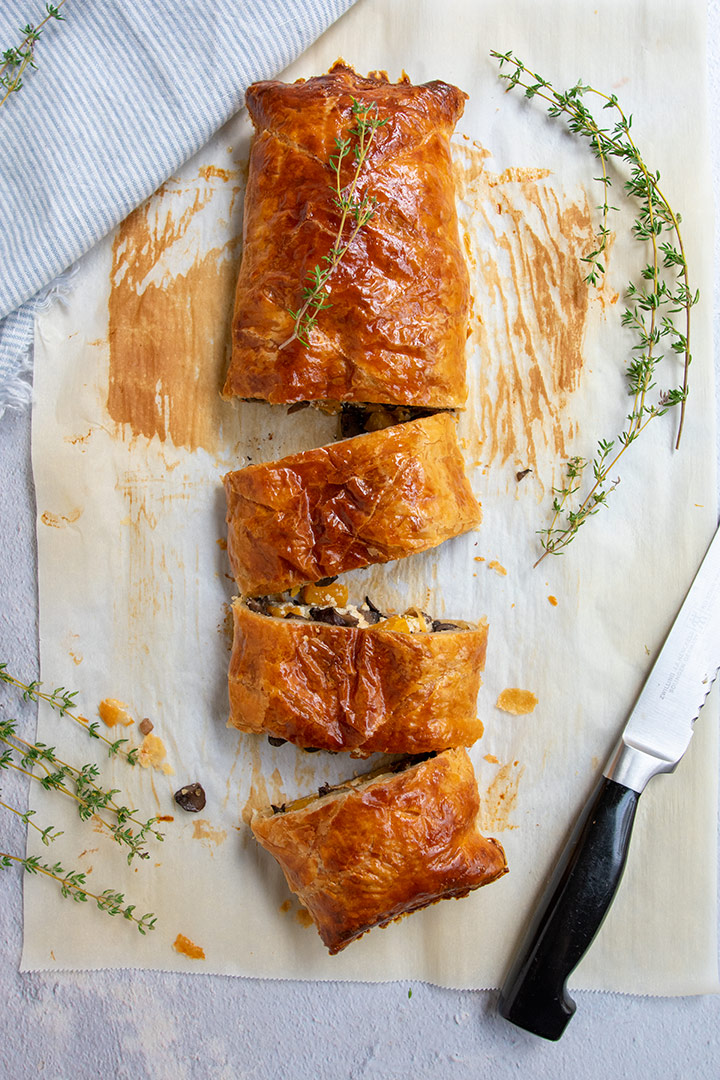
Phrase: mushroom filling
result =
(387, 769)
(359, 419)
(327, 602)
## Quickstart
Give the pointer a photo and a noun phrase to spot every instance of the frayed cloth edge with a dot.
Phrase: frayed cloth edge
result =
(16, 391)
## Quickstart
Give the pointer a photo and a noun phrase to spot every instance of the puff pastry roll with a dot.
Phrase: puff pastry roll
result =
(369, 499)
(397, 325)
(350, 678)
(374, 849)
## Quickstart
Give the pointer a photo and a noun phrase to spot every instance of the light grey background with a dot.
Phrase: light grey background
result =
(131, 1024)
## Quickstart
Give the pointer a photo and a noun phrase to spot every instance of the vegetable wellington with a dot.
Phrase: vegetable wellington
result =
(380, 846)
(352, 678)
(393, 325)
(364, 500)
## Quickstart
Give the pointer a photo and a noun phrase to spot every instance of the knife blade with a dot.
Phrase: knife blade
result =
(584, 882)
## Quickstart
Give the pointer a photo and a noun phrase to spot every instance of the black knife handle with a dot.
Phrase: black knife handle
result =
(575, 902)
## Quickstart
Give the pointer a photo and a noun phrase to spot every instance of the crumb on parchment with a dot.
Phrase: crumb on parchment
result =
(112, 712)
(151, 755)
(497, 567)
(187, 947)
(516, 701)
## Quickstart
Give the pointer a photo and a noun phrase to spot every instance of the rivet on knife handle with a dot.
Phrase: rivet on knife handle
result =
(573, 907)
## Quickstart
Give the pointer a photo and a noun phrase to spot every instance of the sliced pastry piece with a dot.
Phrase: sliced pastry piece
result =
(318, 672)
(364, 500)
(363, 853)
(395, 327)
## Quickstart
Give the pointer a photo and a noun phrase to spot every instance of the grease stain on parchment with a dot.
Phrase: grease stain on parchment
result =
(264, 790)
(499, 800)
(156, 573)
(203, 830)
(170, 311)
(60, 521)
(524, 239)
(70, 642)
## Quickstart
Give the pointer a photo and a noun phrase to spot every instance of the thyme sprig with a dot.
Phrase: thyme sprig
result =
(355, 210)
(41, 764)
(651, 307)
(73, 884)
(92, 801)
(63, 701)
(16, 60)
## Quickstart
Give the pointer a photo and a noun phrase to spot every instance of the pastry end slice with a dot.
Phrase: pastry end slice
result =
(381, 846)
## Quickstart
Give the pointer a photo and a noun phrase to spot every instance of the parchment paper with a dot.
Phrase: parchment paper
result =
(130, 440)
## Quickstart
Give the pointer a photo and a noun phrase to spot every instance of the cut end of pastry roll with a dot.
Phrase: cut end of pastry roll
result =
(371, 850)
(395, 330)
(322, 674)
(364, 500)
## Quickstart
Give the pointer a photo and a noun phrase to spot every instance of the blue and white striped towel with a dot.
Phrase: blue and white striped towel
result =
(124, 92)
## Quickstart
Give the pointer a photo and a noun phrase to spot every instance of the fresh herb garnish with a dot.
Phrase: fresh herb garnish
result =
(63, 701)
(652, 305)
(15, 61)
(355, 210)
(72, 884)
(41, 764)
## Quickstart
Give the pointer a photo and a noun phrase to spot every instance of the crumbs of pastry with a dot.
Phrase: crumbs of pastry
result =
(552, 600)
(152, 753)
(495, 565)
(112, 712)
(187, 947)
(516, 701)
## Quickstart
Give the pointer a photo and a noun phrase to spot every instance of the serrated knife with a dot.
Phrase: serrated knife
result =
(586, 877)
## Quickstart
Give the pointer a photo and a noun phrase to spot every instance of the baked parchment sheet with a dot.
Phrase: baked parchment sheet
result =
(130, 440)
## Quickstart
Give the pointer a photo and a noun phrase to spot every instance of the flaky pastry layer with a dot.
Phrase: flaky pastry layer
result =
(396, 329)
(363, 689)
(370, 499)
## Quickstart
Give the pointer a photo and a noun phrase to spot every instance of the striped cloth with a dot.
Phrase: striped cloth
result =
(124, 92)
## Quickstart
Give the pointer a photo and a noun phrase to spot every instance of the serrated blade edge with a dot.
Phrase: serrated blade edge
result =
(661, 722)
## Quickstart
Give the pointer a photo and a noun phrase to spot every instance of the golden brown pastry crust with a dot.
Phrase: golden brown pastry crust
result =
(359, 689)
(397, 327)
(366, 500)
(362, 857)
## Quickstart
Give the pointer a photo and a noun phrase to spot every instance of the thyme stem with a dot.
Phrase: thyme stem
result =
(351, 206)
(72, 884)
(92, 801)
(63, 701)
(646, 304)
(15, 61)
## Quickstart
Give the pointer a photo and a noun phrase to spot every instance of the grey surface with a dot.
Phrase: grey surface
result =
(133, 1024)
